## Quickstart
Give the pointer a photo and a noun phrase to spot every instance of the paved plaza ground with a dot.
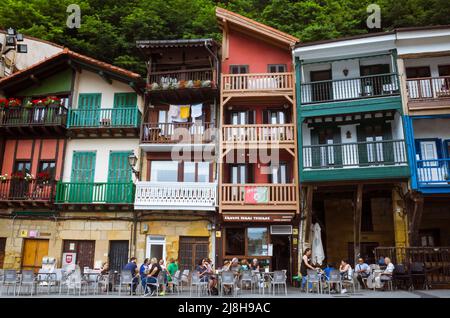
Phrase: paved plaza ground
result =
(292, 293)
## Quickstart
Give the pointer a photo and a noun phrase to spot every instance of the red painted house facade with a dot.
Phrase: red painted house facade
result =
(258, 192)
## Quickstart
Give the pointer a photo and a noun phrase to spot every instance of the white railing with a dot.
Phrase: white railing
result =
(175, 195)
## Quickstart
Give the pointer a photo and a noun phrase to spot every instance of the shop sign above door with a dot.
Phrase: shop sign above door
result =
(243, 217)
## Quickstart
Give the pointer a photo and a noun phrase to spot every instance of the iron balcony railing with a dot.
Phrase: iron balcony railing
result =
(257, 82)
(351, 88)
(126, 117)
(259, 194)
(167, 133)
(434, 172)
(97, 193)
(23, 190)
(34, 116)
(357, 154)
(428, 88)
(175, 195)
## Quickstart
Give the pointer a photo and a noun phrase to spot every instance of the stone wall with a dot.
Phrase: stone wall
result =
(339, 226)
(58, 231)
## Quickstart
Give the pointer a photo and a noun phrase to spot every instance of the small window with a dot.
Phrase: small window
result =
(277, 68)
(418, 72)
(257, 241)
(23, 167)
(238, 69)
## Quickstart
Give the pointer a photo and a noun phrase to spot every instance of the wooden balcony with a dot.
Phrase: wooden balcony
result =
(175, 196)
(428, 93)
(433, 173)
(258, 85)
(22, 193)
(236, 136)
(37, 121)
(352, 161)
(104, 122)
(98, 193)
(350, 89)
(259, 197)
(190, 86)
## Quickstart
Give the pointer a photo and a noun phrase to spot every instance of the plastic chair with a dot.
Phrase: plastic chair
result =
(177, 282)
(228, 279)
(247, 277)
(335, 278)
(313, 278)
(126, 279)
(10, 279)
(199, 284)
(75, 282)
(279, 278)
(27, 279)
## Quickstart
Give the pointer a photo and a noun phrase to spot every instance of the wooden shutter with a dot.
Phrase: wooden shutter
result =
(337, 149)
(83, 166)
(119, 177)
(125, 100)
(90, 114)
(89, 101)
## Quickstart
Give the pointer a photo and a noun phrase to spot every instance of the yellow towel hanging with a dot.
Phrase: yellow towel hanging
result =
(184, 111)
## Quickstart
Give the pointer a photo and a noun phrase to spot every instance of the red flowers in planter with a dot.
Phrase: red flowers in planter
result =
(48, 101)
(14, 102)
(4, 102)
(43, 176)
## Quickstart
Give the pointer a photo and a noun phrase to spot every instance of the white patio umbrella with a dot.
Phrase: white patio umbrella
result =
(318, 254)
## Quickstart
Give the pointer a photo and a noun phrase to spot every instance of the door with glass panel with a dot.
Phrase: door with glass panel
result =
(279, 174)
(119, 188)
(19, 185)
(82, 179)
(276, 117)
(375, 147)
(239, 119)
(238, 177)
(429, 168)
(326, 150)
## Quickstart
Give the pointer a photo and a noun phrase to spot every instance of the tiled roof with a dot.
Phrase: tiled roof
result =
(76, 56)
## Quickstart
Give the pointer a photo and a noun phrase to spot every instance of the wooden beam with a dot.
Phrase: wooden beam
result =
(105, 77)
(308, 214)
(415, 218)
(357, 222)
(289, 99)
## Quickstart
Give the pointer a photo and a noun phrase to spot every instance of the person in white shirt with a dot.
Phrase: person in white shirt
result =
(346, 273)
(386, 275)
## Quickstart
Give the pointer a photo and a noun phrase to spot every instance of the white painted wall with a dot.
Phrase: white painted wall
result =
(102, 148)
(433, 63)
(37, 51)
(90, 82)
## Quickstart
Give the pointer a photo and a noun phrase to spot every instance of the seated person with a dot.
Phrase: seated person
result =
(386, 275)
(362, 271)
(346, 273)
(153, 273)
(254, 266)
(327, 271)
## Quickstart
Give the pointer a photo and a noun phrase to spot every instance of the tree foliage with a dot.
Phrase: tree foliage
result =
(109, 28)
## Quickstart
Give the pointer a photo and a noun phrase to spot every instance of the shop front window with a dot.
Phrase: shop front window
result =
(235, 241)
(257, 241)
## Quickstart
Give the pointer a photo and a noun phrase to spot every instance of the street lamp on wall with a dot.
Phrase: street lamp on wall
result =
(132, 161)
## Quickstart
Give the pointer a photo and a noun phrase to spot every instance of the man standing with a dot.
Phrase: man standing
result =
(132, 267)
(362, 272)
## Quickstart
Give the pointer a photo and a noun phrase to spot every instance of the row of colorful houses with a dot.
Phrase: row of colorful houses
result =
(228, 150)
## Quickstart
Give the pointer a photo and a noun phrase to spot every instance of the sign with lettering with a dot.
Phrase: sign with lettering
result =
(242, 217)
(23, 233)
(255, 195)
(33, 233)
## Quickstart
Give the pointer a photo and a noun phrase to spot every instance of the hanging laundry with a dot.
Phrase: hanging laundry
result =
(184, 111)
(174, 111)
(196, 110)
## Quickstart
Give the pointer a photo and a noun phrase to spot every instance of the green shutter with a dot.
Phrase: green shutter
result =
(127, 116)
(337, 149)
(315, 151)
(83, 169)
(122, 100)
(388, 147)
(362, 148)
(90, 105)
(119, 177)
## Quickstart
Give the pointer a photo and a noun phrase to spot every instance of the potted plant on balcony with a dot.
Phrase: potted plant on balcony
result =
(52, 101)
(197, 83)
(14, 102)
(206, 83)
(4, 102)
(3, 178)
(43, 177)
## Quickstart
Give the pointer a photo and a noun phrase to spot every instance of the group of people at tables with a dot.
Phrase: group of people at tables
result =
(363, 272)
(148, 272)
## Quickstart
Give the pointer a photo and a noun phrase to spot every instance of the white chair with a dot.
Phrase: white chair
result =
(10, 279)
(177, 282)
(75, 282)
(313, 278)
(27, 279)
(279, 279)
(126, 279)
(228, 279)
(335, 278)
(247, 278)
(198, 283)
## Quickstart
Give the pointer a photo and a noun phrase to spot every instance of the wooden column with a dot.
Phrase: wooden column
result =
(357, 222)
(307, 218)
(415, 218)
